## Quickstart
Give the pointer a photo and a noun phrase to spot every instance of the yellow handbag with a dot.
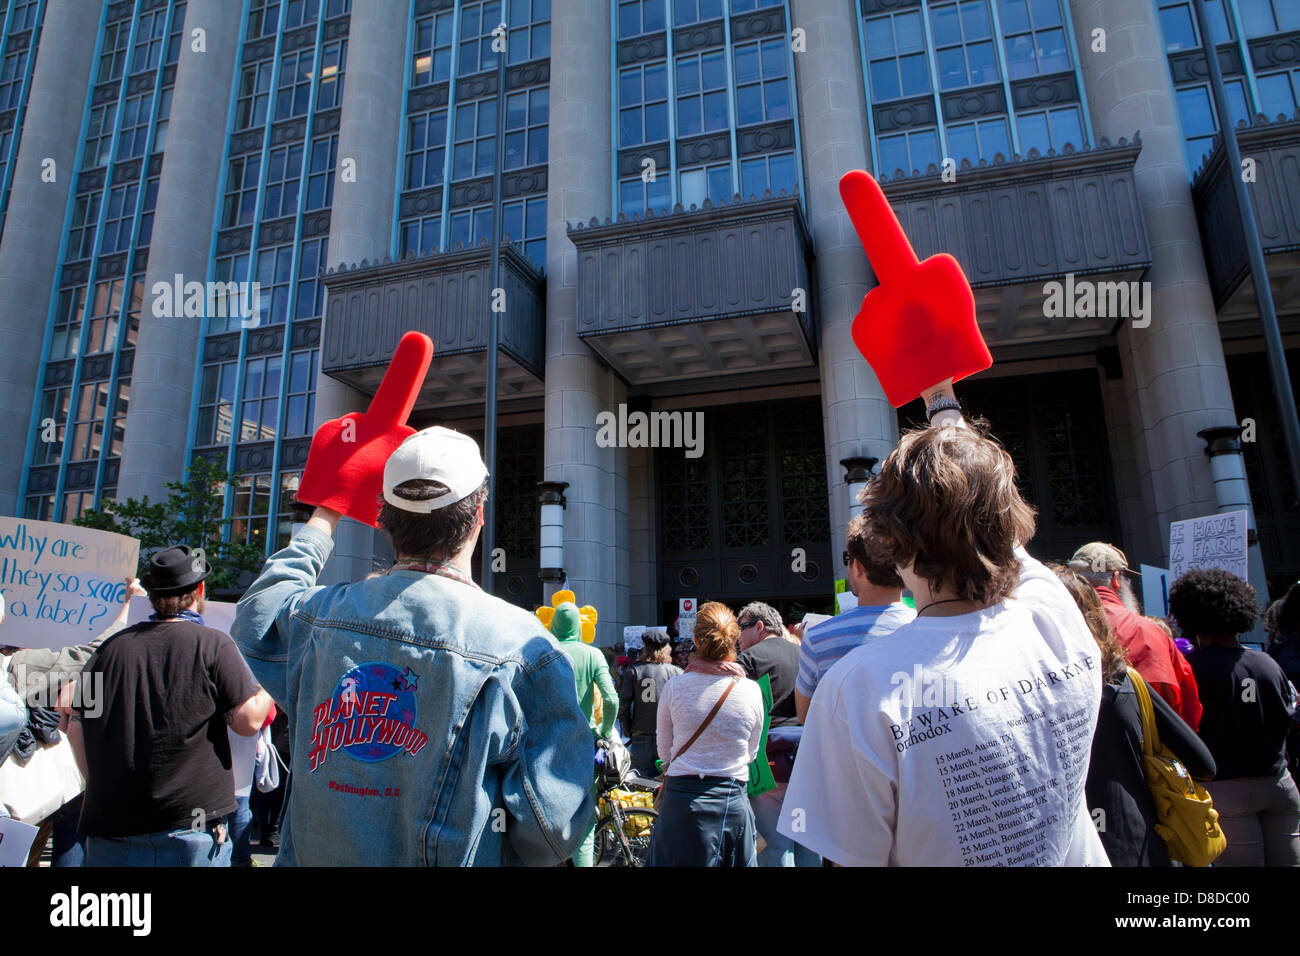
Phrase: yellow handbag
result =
(1188, 822)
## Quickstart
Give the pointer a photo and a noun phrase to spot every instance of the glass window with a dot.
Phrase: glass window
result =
(1279, 93)
(909, 152)
(431, 62)
(68, 313)
(229, 311)
(744, 6)
(1200, 122)
(300, 397)
(704, 182)
(254, 96)
(87, 429)
(283, 177)
(263, 18)
(695, 11)
(524, 222)
(261, 406)
(274, 272)
(149, 33)
(320, 172)
(334, 59)
(242, 177)
(759, 173)
(475, 139)
(477, 21)
(11, 79)
(121, 403)
(1050, 129)
(102, 317)
(896, 56)
(470, 226)
(1033, 37)
(530, 30)
(118, 218)
(299, 12)
(981, 139)
(426, 149)
(635, 196)
(640, 16)
(133, 133)
(294, 92)
(99, 136)
(85, 222)
(1262, 17)
(527, 114)
(762, 86)
(701, 93)
(112, 57)
(963, 37)
(311, 294)
(420, 234)
(216, 404)
(252, 504)
(643, 104)
(55, 406)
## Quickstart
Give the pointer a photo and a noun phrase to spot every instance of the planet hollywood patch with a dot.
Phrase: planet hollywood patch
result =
(370, 716)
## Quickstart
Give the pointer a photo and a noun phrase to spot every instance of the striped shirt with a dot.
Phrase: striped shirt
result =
(828, 641)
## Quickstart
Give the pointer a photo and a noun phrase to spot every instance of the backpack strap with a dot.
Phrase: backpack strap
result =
(1150, 739)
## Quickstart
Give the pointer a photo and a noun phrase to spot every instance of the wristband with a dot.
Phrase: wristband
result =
(941, 405)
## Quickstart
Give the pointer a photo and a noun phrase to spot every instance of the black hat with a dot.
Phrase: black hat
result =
(176, 570)
(654, 638)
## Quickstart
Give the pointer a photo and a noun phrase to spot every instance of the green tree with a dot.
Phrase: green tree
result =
(191, 515)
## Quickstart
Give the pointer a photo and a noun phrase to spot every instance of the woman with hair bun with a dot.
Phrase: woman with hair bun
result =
(1249, 708)
(710, 722)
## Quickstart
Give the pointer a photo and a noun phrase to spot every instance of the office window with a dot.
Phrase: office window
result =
(162, 120)
(982, 139)
(40, 508)
(475, 145)
(112, 57)
(1262, 17)
(300, 397)
(216, 404)
(283, 177)
(775, 172)
(252, 504)
(1279, 93)
(133, 133)
(23, 17)
(102, 317)
(133, 307)
(762, 81)
(1199, 120)
(274, 273)
(530, 30)
(11, 79)
(320, 172)
(524, 221)
(85, 220)
(431, 61)
(254, 95)
(229, 312)
(149, 33)
(526, 119)
(263, 18)
(291, 512)
(87, 428)
(911, 151)
(470, 226)
(963, 39)
(334, 60)
(118, 218)
(643, 104)
(695, 11)
(311, 294)
(896, 56)
(298, 12)
(1178, 24)
(66, 340)
(177, 34)
(99, 135)
(242, 178)
(477, 21)
(744, 6)
(636, 195)
(260, 410)
(420, 234)
(636, 17)
(704, 182)
(77, 502)
(1033, 37)
(294, 92)
(1050, 129)
(701, 92)
(117, 430)
(55, 404)
(426, 149)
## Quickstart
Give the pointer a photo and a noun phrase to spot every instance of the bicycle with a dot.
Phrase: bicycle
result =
(624, 829)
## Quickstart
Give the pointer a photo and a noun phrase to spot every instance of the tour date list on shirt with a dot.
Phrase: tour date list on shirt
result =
(987, 757)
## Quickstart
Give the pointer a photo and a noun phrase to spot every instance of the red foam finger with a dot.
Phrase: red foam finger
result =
(878, 228)
(400, 388)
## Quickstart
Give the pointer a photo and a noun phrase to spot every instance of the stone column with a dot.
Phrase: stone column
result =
(579, 385)
(1175, 380)
(29, 253)
(857, 418)
(167, 349)
(361, 218)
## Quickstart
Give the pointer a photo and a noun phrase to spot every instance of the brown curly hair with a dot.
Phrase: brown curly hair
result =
(946, 503)
(1114, 662)
(717, 635)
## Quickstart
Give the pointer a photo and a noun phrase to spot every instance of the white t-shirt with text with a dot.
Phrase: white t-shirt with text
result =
(956, 741)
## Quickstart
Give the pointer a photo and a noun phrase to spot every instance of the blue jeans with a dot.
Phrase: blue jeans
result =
(240, 828)
(183, 847)
(780, 850)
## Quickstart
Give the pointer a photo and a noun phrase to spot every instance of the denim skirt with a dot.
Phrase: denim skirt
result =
(704, 821)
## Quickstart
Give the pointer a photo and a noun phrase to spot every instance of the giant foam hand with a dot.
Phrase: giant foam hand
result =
(345, 467)
(917, 327)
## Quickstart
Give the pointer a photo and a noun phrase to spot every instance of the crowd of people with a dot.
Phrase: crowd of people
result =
(999, 716)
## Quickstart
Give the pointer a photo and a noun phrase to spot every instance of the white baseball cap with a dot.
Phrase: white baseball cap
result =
(435, 454)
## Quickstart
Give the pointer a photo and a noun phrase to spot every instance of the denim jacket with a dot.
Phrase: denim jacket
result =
(432, 724)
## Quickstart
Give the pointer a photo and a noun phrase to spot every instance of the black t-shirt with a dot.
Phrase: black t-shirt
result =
(1249, 705)
(155, 731)
(779, 658)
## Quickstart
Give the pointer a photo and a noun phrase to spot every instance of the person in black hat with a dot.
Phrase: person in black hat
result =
(155, 754)
(639, 691)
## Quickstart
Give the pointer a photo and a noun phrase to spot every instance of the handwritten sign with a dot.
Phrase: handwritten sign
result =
(61, 584)
(15, 841)
(632, 637)
(1215, 541)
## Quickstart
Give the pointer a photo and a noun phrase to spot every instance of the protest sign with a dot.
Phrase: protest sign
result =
(632, 637)
(1215, 541)
(15, 841)
(62, 584)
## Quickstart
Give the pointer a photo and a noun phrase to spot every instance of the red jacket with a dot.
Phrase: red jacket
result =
(1155, 656)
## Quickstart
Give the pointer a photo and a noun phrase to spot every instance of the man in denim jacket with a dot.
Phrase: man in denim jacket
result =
(432, 724)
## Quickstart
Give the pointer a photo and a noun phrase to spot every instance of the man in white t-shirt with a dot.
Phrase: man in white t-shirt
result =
(963, 738)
